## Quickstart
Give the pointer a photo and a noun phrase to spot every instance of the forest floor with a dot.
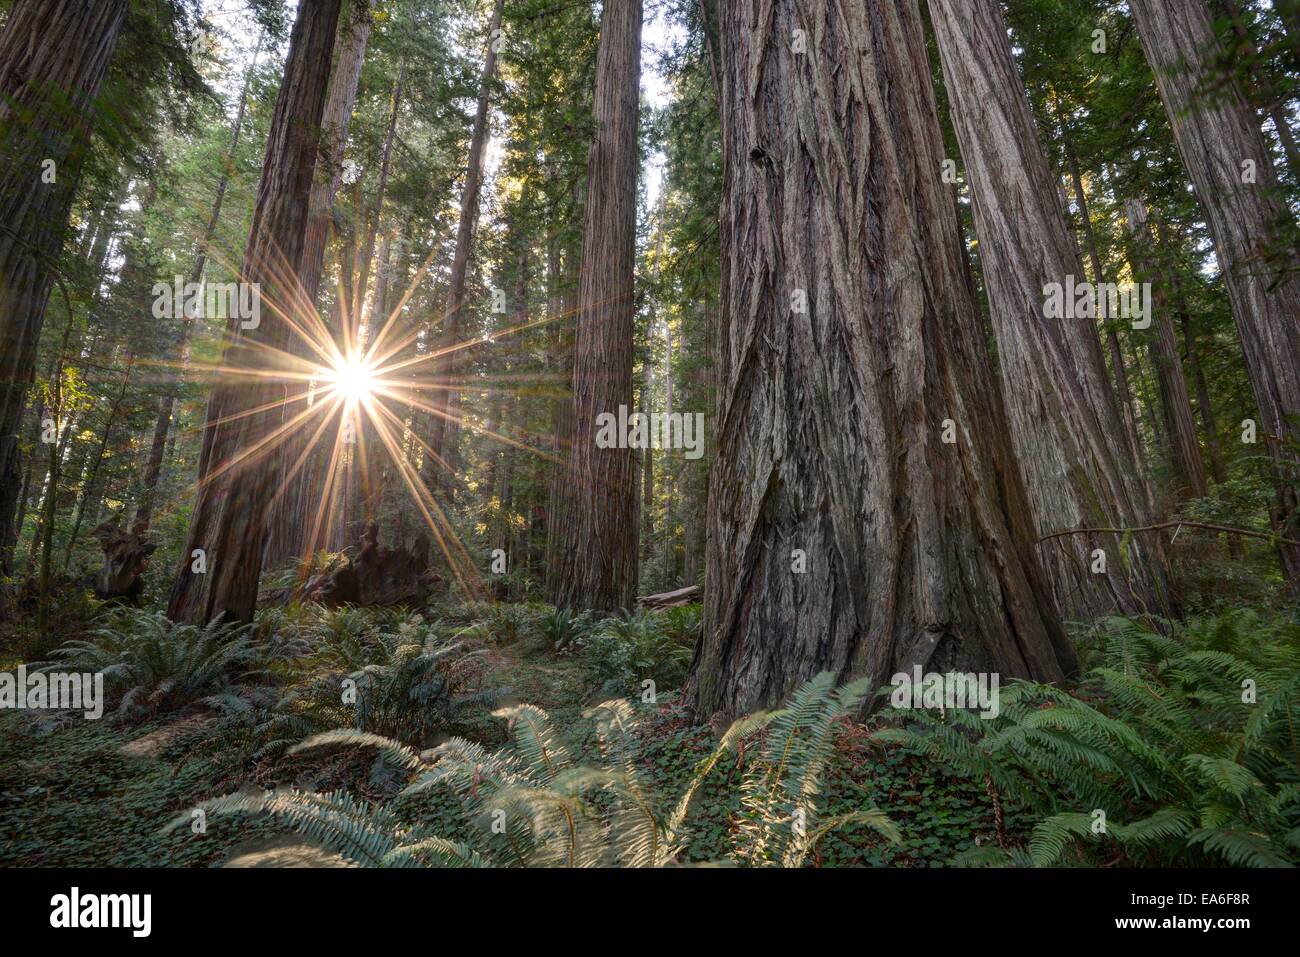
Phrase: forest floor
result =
(87, 793)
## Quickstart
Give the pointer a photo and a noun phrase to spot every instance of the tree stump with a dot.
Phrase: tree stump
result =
(126, 555)
(374, 576)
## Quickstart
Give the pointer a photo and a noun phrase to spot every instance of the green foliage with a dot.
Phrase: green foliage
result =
(1163, 738)
(152, 665)
(779, 825)
(386, 673)
(96, 805)
(621, 652)
(562, 628)
(533, 804)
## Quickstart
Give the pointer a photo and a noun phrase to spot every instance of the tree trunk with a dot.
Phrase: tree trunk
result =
(53, 57)
(1066, 428)
(845, 532)
(167, 404)
(352, 326)
(1125, 393)
(1220, 143)
(600, 531)
(1276, 110)
(291, 514)
(353, 39)
(1179, 423)
(238, 467)
(1203, 405)
(647, 497)
(444, 423)
(92, 474)
(560, 369)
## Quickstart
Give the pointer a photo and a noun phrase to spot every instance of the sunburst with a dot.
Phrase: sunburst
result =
(369, 393)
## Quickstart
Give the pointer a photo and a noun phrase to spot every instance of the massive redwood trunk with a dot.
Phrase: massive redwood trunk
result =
(1221, 144)
(845, 533)
(444, 423)
(1176, 406)
(291, 516)
(1066, 427)
(238, 468)
(600, 526)
(53, 57)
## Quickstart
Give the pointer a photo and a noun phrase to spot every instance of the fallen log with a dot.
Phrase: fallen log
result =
(670, 599)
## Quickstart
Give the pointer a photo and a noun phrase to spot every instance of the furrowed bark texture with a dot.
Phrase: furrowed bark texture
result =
(831, 419)
(53, 57)
(600, 528)
(291, 516)
(1066, 427)
(1175, 403)
(238, 464)
(1217, 137)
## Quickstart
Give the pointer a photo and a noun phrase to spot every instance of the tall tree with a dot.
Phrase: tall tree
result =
(1175, 404)
(1224, 151)
(600, 524)
(167, 404)
(865, 515)
(237, 466)
(53, 57)
(291, 514)
(444, 424)
(1066, 427)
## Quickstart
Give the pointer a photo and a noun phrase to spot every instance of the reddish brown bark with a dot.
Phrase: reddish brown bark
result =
(1176, 406)
(830, 435)
(238, 469)
(600, 531)
(53, 57)
(1066, 427)
(1224, 151)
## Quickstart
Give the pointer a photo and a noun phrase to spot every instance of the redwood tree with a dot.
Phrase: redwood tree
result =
(865, 515)
(1175, 404)
(1223, 149)
(1066, 426)
(599, 530)
(444, 423)
(53, 57)
(236, 482)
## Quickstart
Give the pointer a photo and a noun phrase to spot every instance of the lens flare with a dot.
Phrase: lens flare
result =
(352, 378)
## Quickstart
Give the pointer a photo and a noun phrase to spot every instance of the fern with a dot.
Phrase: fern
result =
(1159, 736)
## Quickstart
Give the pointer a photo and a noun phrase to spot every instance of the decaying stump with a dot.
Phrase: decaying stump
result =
(371, 575)
(126, 555)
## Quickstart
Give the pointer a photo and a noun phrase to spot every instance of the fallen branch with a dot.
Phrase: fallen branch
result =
(1248, 533)
(671, 599)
